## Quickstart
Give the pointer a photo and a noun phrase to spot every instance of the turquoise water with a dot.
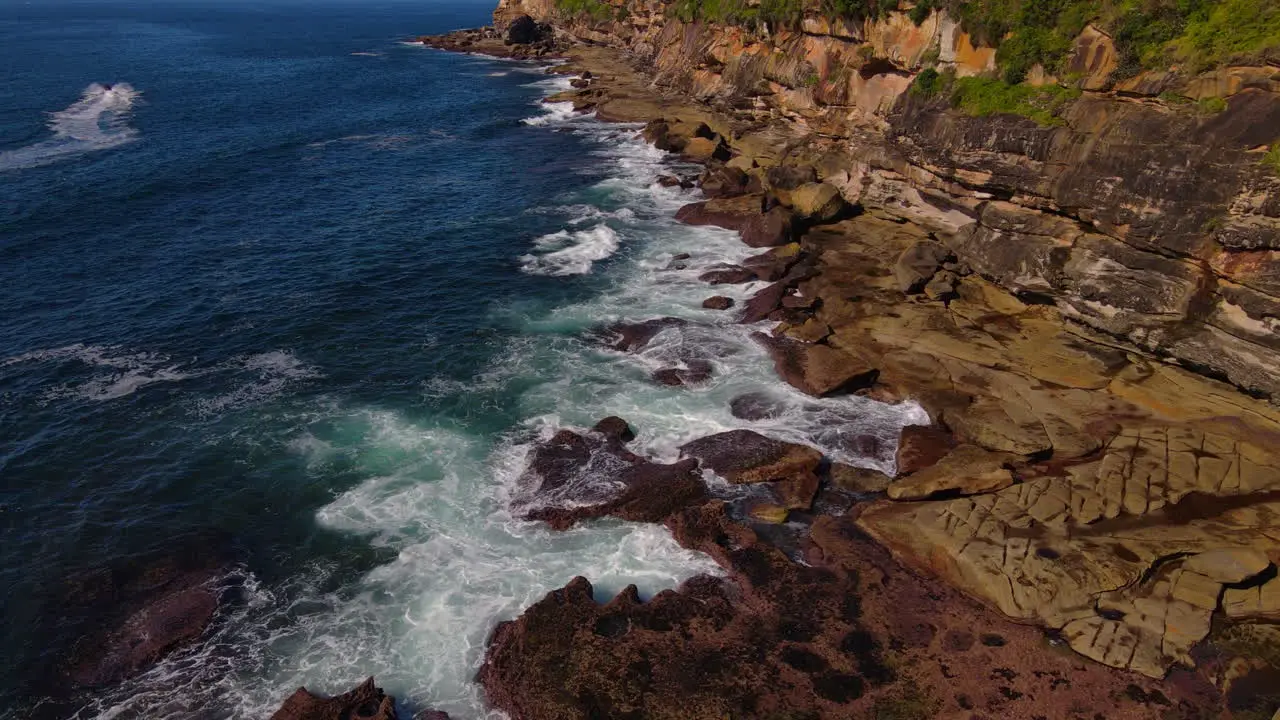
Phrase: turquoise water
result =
(270, 271)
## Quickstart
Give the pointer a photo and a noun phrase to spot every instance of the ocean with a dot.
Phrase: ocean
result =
(271, 272)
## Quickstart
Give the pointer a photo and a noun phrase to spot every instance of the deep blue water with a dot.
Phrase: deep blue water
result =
(291, 222)
(270, 275)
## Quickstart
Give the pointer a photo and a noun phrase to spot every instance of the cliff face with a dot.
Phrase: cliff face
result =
(1144, 209)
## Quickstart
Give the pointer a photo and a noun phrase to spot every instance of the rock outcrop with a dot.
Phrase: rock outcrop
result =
(366, 701)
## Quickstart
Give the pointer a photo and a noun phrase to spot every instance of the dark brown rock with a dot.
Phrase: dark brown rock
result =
(722, 181)
(772, 266)
(746, 456)
(365, 702)
(693, 373)
(728, 275)
(763, 303)
(718, 302)
(756, 406)
(142, 611)
(629, 337)
(818, 369)
(770, 229)
(524, 30)
(729, 213)
(616, 428)
(922, 446)
(573, 477)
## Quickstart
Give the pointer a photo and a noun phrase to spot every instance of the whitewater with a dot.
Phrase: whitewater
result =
(333, 321)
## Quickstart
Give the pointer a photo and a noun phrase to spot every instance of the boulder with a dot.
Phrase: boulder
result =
(701, 149)
(629, 337)
(524, 30)
(573, 477)
(780, 180)
(917, 264)
(756, 406)
(746, 456)
(729, 213)
(773, 265)
(942, 286)
(818, 369)
(616, 428)
(817, 203)
(728, 275)
(718, 302)
(763, 304)
(366, 702)
(966, 470)
(770, 229)
(722, 181)
(856, 479)
(658, 132)
(693, 372)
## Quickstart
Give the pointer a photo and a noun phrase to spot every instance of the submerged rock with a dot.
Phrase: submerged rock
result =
(573, 477)
(145, 610)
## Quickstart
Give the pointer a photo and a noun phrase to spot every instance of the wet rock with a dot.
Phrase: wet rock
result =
(145, 610)
(365, 702)
(629, 337)
(573, 477)
(728, 275)
(761, 305)
(693, 372)
(722, 181)
(658, 132)
(818, 369)
(672, 181)
(769, 229)
(745, 456)
(917, 264)
(757, 406)
(718, 302)
(920, 446)
(616, 428)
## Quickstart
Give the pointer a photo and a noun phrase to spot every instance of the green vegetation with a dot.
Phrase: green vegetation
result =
(1148, 33)
(779, 13)
(990, 96)
(1272, 159)
(1211, 105)
(594, 9)
(984, 96)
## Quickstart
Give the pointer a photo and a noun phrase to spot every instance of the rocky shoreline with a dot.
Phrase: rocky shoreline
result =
(1076, 504)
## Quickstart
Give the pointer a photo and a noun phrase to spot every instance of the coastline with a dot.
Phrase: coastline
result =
(825, 344)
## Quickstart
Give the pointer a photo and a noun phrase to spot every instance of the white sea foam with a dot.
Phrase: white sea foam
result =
(260, 377)
(570, 253)
(441, 498)
(99, 120)
(116, 372)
